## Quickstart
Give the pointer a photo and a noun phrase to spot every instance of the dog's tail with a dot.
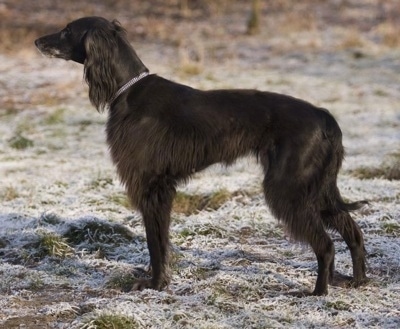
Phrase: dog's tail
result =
(332, 200)
(352, 206)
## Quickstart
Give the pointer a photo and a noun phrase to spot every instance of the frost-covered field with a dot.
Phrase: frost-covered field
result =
(69, 244)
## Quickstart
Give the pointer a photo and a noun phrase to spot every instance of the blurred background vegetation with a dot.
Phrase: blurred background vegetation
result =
(333, 23)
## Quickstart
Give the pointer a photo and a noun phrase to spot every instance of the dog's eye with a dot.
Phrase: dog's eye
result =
(66, 32)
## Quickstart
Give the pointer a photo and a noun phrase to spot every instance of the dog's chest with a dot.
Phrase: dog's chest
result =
(129, 139)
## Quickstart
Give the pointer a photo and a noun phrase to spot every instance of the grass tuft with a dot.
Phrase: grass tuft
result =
(101, 182)
(389, 33)
(20, 142)
(111, 321)
(253, 23)
(94, 231)
(55, 117)
(217, 199)
(352, 39)
(35, 284)
(338, 305)
(391, 228)
(51, 244)
(50, 218)
(209, 229)
(192, 203)
(9, 193)
(389, 169)
(123, 281)
(202, 230)
(368, 172)
(120, 199)
(186, 203)
(191, 59)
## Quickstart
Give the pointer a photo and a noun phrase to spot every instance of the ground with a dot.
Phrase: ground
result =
(70, 243)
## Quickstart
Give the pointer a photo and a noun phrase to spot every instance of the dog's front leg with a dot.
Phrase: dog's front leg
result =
(155, 205)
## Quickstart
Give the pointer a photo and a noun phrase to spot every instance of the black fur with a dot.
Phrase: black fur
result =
(161, 132)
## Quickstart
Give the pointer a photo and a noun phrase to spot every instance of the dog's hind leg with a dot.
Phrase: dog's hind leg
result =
(335, 212)
(343, 223)
(323, 248)
(299, 213)
(154, 201)
(335, 216)
(309, 228)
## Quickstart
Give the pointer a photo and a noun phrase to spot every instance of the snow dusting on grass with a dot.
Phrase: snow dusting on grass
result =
(71, 247)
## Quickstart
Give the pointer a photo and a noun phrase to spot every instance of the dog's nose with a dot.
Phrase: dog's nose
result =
(39, 44)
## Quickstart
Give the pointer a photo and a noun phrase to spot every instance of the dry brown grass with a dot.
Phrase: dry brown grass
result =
(9, 193)
(389, 169)
(191, 57)
(390, 34)
(352, 39)
(108, 321)
(168, 20)
(51, 244)
(192, 203)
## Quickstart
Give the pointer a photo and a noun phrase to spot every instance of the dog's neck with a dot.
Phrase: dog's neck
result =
(130, 73)
(130, 83)
(129, 64)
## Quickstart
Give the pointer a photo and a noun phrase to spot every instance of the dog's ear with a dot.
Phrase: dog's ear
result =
(101, 55)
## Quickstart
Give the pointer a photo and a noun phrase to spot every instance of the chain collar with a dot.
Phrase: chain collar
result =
(127, 85)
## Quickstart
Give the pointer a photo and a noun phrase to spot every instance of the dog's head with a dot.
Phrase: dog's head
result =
(74, 41)
(100, 45)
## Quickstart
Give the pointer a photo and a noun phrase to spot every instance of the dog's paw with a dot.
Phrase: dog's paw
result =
(142, 284)
(340, 280)
(346, 281)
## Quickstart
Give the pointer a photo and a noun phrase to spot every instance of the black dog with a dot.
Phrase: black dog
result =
(161, 132)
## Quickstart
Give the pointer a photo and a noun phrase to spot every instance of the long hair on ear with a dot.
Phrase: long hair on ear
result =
(101, 44)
